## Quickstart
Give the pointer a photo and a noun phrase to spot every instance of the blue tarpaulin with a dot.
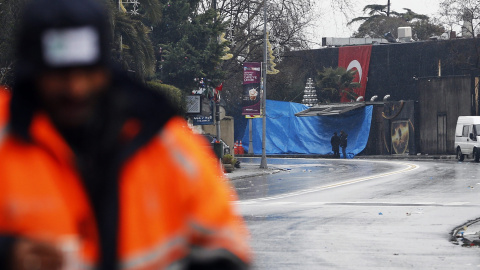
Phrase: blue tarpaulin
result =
(289, 134)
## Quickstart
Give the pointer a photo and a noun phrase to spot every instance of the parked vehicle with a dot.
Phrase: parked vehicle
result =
(467, 139)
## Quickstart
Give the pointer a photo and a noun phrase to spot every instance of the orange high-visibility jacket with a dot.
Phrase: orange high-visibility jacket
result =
(173, 200)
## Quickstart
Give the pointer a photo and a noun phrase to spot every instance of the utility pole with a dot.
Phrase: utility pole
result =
(217, 102)
(388, 9)
(250, 136)
(250, 120)
(263, 162)
(121, 37)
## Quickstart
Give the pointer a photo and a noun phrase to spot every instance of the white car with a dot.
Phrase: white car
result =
(467, 139)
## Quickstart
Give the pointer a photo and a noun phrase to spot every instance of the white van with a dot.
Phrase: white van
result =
(467, 139)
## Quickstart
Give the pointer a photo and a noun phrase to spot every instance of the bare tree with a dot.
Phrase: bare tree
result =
(461, 13)
(287, 21)
(466, 15)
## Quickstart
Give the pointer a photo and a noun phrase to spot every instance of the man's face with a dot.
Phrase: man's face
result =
(70, 95)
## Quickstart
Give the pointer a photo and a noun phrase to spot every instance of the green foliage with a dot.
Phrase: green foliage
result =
(150, 11)
(374, 11)
(174, 94)
(410, 16)
(424, 29)
(189, 39)
(228, 159)
(376, 27)
(9, 12)
(136, 51)
(378, 23)
(190, 45)
(334, 82)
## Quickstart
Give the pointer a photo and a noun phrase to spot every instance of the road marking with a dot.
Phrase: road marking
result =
(409, 167)
(458, 203)
(367, 204)
(313, 203)
(281, 203)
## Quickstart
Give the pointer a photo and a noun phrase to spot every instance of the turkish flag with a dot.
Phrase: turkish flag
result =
(358, 58)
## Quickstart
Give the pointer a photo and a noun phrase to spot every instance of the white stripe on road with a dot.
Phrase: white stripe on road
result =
(409, 167)
(281, 203)
(457, 203)
(376, 204)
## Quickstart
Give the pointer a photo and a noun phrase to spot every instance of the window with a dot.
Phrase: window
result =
(465, 131)
(476, 130)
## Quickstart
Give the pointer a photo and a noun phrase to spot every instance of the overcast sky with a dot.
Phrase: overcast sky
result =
(332, 23)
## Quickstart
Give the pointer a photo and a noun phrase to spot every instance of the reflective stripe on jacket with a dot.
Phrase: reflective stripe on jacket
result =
(174, 202)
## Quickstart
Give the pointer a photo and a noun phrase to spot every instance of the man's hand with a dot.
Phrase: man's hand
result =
(34, 255)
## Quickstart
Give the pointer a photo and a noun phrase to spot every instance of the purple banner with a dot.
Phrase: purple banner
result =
(251, 98)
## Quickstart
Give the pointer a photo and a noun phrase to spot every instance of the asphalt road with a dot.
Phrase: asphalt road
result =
(360, 214)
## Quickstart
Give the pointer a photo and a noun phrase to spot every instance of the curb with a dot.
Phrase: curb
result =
(412, 157)
(405, 157)
(238, 177)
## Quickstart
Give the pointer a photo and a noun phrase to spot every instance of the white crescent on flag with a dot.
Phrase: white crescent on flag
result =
(358, 66)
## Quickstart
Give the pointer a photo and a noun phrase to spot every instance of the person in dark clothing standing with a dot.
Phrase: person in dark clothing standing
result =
(343, 143)
(335, 141)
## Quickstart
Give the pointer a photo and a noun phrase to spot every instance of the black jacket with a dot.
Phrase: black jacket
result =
(335, 141)
(343, 140)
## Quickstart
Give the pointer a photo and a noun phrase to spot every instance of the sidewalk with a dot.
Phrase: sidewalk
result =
(405, 157)
(250, 170)
(410, 157)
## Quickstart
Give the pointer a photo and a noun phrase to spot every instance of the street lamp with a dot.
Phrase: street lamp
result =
(263, 162)
(217, 102)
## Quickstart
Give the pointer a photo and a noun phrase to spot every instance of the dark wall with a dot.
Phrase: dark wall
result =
(442, 100)
(376, 142)
(302, 65)
(409, 71)
(393, 67)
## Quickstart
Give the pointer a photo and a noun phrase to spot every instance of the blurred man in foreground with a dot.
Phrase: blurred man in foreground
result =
(98, 172)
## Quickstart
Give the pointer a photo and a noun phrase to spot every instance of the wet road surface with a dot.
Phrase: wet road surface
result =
(360, 214)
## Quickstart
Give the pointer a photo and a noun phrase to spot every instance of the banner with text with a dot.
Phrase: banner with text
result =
(356, 57)
(205, 117)
(251, 97)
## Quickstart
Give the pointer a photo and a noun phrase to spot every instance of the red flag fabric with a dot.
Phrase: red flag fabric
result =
(356, 57)
(220, 87)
